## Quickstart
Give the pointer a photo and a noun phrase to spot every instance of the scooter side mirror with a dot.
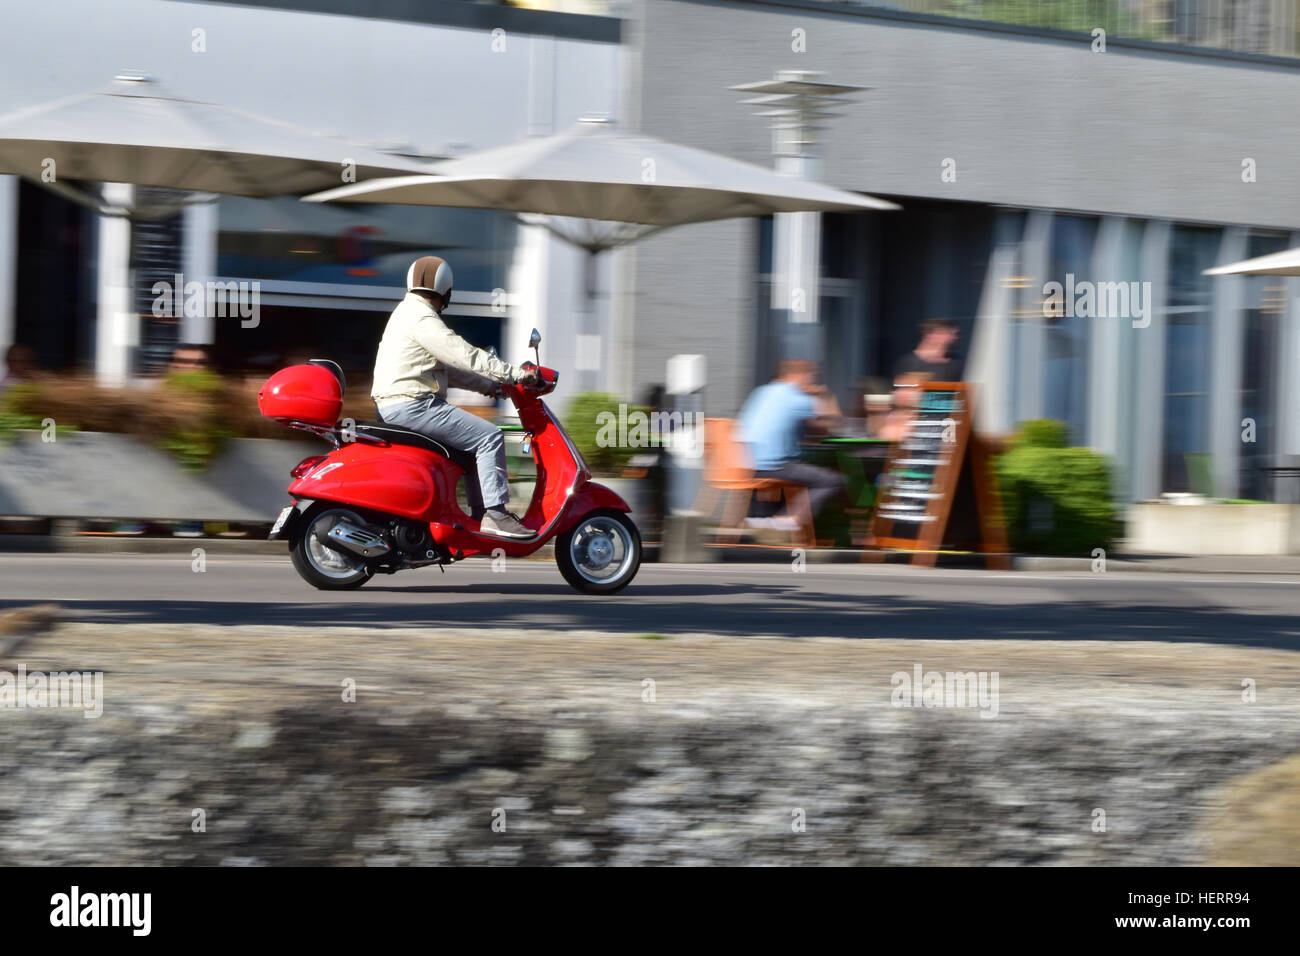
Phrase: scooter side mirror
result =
(535, 339)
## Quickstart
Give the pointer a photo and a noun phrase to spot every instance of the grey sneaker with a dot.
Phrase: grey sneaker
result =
(500, 522)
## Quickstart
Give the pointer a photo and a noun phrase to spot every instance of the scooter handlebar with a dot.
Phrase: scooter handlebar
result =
(546, 377)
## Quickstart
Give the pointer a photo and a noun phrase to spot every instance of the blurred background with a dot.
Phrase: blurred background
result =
(1125, 144)
(1133, 141)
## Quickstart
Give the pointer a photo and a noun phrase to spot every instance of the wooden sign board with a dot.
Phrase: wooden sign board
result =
(937, 491)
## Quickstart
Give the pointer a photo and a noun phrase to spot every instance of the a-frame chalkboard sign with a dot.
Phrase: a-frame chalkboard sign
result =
(937, 491)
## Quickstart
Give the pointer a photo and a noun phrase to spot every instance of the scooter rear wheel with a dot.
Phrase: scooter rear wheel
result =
(600, 554)
(328, 569)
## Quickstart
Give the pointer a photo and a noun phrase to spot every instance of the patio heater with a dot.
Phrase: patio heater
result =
(799, 105)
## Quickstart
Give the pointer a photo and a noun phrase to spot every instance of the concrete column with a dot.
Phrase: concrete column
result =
(988, 365)
(621, 371)
(118, 326)
(1035, 248)
(587, 340)
(796, 265)
(1148, 408)
(1102, 432)
(1226, 347)
(1124, 373)
(547, 293)
(199, 264)
(8, 263)
(1287, 413)
(528, 288)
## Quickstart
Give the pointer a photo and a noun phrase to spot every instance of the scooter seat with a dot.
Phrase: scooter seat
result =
(396, 435)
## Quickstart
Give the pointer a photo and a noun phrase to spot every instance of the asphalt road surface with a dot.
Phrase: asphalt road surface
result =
(865, 602)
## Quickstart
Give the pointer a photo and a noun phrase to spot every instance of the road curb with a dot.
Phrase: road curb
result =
(1167, 564)
(108, 544)
(113, 544)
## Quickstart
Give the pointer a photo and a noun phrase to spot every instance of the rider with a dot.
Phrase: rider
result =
(418, 357)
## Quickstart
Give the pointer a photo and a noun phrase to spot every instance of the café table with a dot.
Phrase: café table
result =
(860, 460)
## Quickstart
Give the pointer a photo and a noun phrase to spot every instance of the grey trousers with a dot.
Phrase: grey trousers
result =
(458, 429)
(823, 484)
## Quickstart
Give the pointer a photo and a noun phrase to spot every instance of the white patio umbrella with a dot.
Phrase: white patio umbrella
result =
(623, 185)
(1275, 264)
(610, 187)
(134, 131)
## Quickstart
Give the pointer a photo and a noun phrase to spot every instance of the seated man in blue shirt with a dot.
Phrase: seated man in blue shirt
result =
(773, 421)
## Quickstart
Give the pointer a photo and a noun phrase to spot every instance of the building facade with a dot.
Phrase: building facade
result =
(421, 80)
(1022, 156)
(1114, 161)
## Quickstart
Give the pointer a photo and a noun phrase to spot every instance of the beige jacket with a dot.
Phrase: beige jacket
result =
(419, 354)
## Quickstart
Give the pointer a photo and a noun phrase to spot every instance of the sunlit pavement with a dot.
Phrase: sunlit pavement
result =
(848, 601)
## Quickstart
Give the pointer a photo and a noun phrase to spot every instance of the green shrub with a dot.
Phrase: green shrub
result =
(589, 426)
(15, 414)
(194, 449)
(197, 440)
(1041, 433)
(1057, 500)
(193, 382)
(183, 414)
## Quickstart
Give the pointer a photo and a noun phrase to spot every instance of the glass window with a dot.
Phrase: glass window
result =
(287, 240)
(1188, 313)
(1264, 304)
(1066, 349)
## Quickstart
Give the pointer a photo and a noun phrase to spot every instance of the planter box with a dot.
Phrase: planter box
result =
(103, 475)
(1212, 528)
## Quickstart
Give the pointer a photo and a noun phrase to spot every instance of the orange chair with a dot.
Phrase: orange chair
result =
(727, 471)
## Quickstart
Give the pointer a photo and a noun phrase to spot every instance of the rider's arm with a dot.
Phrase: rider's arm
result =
(455, 353)
(470, 382)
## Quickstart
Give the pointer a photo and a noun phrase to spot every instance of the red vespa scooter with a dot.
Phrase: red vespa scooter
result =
(385, 498)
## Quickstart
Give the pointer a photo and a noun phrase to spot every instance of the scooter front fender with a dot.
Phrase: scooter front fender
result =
(592, 496)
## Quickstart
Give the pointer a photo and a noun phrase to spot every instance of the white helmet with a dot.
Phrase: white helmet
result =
(429, 274)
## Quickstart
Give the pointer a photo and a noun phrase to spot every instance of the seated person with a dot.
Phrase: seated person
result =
(20, 365)
(930, 361)
(773, 421)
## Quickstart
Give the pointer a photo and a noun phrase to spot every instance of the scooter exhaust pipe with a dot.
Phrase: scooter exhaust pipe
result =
(357, 539)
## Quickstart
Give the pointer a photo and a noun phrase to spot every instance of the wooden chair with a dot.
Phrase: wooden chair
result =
(728, 473)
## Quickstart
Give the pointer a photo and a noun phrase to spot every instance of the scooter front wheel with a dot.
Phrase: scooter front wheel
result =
(600, 554)
(328, 569)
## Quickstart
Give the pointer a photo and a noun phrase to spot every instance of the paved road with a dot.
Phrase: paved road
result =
(826, 600)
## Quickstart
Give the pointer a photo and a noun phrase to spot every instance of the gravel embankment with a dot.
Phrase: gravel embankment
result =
(549, 733)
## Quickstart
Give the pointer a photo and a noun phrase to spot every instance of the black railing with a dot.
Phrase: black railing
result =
(1265, 27)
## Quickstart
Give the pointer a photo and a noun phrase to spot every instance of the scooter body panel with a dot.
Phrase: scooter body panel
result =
(396, 479)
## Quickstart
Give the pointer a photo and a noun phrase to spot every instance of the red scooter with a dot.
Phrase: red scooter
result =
(385, 498)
